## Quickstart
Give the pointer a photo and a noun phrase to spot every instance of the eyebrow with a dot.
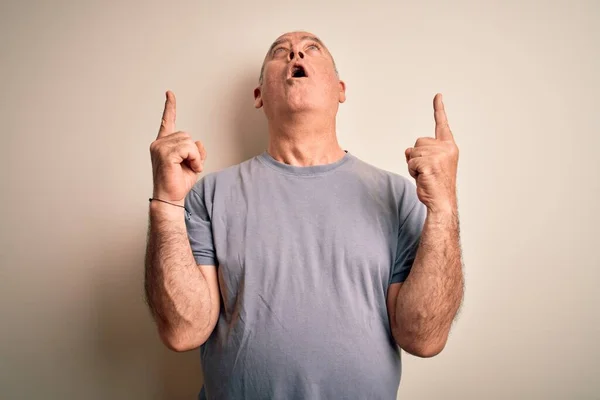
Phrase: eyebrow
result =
(308, 37)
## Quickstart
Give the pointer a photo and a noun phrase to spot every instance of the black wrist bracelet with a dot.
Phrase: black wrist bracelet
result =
(176, 205)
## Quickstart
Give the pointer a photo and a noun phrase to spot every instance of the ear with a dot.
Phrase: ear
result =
(342, 97)
(258, 103)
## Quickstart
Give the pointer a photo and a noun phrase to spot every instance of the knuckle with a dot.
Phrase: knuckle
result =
(157, 147)
(183, 138)
(174, 136)
(179, 139)
(422, 141)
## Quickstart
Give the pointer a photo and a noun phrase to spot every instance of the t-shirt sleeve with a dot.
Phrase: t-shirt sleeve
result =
(199, 227)
(412, 217)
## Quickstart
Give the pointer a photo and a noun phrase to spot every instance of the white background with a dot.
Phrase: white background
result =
(82, 91)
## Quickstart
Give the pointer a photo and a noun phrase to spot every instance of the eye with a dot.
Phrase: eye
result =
(313, 46)
(278, 50)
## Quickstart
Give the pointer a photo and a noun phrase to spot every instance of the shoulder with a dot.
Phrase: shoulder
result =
(223, 178)
(397, 189)
(382, 179)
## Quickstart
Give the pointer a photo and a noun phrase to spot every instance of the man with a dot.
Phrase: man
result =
(302, 271)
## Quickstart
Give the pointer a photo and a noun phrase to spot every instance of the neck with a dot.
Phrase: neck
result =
(304, 141)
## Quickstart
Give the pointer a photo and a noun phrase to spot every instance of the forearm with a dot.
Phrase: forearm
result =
(176, 290)
(429, 299)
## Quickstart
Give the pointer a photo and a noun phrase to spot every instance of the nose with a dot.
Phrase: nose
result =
(292, 55)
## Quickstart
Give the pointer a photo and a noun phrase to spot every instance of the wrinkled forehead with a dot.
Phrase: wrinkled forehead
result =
(297, 36)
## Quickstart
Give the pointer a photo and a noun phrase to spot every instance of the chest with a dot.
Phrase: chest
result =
(314, 233)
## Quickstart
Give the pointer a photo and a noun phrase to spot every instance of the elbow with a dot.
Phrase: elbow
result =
(180, 346)
(417, 346)
(424, 349)
(182, 341)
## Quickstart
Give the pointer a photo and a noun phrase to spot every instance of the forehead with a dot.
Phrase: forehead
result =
(296, 37)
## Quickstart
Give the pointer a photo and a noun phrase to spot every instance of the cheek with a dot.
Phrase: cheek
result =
(272, 73)
(329, 83)
(271, 86)
(328, 75)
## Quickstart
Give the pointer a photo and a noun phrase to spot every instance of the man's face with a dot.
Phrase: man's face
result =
(299, 75)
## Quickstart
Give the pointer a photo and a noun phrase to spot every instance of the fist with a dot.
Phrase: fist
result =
(176, 158)
(433, 162)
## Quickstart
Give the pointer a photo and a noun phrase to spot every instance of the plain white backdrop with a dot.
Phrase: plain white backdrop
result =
(82, 91)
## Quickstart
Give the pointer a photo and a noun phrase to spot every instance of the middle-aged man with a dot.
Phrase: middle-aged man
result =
(302, 271)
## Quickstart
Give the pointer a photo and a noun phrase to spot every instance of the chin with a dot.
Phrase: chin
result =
(299, 102)
(299, 106)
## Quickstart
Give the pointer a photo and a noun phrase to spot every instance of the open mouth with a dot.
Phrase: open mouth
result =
(298, 72)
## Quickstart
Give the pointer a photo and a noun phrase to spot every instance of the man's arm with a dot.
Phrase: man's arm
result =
(183, 296)
(423, 307)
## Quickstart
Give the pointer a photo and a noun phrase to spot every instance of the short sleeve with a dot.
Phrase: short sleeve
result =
(199, 227)
(412, 218)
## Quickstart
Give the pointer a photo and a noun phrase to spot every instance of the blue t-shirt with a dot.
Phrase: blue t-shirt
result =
(305, 256)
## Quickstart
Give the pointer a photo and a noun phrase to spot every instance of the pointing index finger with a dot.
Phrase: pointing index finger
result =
(442, 128)
(167, 124)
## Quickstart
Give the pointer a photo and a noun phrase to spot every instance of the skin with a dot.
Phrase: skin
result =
(301, 113)
(183, 297)
(423, 307)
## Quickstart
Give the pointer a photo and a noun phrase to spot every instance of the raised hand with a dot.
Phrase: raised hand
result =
(176, 158)
(433, 163)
